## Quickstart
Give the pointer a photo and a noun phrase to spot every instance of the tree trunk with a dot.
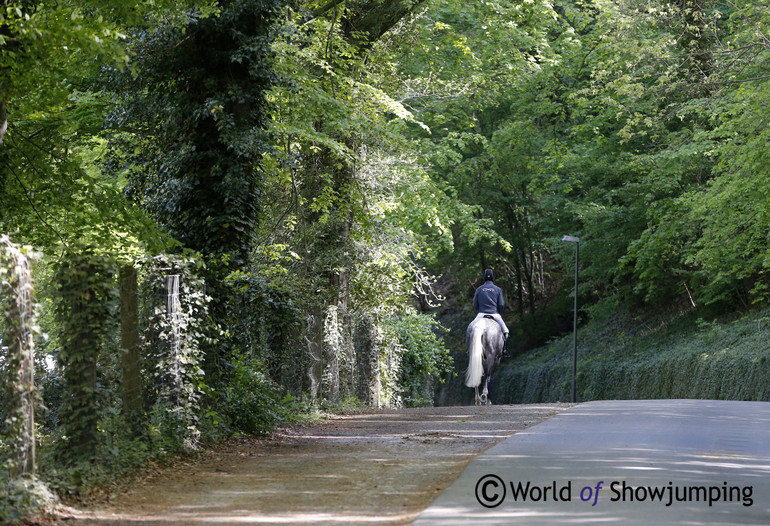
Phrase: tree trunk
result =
(19, 379)
(314, 336)
(129, 342)
(84, 405)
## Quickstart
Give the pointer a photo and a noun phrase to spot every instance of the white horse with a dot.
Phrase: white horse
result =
(484, 340)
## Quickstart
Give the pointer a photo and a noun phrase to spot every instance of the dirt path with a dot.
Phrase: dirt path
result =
(380, 467)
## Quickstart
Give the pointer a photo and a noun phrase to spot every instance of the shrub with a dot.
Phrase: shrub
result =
(424, 358)
(251, 403)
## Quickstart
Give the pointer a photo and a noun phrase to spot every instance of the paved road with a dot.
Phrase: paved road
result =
(662, 462)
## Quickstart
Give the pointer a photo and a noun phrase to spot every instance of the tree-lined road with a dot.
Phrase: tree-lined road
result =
(692, 462)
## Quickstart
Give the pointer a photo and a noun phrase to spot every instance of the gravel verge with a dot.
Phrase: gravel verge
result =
(378, 467)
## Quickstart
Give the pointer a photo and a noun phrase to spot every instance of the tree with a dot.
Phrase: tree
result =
(479, 76)
(86, 297)
(729, 254)
(50, 189)
(197, 108)
(18, 384)
(338, 159)
(187, 133)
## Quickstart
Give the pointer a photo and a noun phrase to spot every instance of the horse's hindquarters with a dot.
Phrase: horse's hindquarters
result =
(485, 344)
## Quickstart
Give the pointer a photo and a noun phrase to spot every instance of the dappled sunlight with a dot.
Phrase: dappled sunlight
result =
(380, 467)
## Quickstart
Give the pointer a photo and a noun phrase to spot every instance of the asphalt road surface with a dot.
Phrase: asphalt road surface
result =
(660, 462)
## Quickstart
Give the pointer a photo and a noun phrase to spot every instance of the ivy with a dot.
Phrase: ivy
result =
(266, 325)
(17, 366)
(86, 303)
(196, 112)
(424, 358)
(176, 325)
(668, 356)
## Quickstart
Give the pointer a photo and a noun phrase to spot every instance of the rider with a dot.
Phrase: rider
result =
(488, 301)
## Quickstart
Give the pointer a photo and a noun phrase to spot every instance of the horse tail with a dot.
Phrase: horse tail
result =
(475, 352)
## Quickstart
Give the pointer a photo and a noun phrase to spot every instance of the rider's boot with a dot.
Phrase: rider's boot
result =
(505, 345)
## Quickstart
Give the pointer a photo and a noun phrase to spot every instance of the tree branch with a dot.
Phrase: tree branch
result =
(729, 82)
(328, 7)
(32, 204)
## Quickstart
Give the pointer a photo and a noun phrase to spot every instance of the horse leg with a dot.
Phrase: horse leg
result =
(485, 394)
(490, 368)
(477, 397)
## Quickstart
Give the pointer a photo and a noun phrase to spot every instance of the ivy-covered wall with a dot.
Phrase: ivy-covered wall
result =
(679, 358)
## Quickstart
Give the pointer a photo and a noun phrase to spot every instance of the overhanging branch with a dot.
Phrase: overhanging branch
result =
(328, 7)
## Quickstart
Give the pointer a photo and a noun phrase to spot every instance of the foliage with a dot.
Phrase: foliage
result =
(22, 496)
(49, 190)
(349, 206)
(86, 302)
(266, 324)
(251, 403)
(650, 139)
(633, 127)
(186, 133)
(188, 126)
(424, 358)
(176, 325)
(474, 75)
(665, 356)
(17, 367)
(118, 453)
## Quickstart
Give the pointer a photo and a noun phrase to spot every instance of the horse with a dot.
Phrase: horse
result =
(484, 339)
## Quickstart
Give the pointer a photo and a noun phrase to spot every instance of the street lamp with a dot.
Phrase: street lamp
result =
(576, 240)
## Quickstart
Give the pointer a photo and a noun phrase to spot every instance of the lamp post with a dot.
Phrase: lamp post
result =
(576, 240)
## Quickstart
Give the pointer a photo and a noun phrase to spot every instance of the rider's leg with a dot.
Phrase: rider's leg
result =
(499, 320)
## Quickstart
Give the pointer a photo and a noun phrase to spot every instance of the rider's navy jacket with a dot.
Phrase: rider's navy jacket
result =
(488, 299)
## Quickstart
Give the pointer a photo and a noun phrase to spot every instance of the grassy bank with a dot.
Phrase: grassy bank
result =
(668, 356)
